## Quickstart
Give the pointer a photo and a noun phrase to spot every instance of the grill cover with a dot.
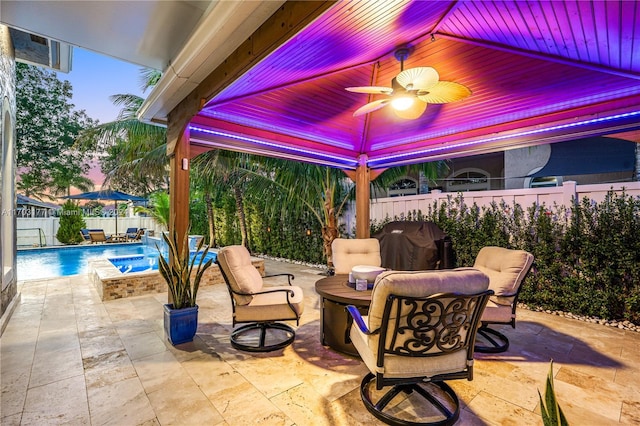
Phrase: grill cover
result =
(410, 246)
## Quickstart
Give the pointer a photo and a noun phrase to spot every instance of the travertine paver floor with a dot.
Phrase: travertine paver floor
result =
(68, 358)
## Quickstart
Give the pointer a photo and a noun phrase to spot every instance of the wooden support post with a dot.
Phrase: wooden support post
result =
(363, 195)
(179, 182)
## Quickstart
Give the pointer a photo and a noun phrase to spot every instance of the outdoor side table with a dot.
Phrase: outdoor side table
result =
(335, 322)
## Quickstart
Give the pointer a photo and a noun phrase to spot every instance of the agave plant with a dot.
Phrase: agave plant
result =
(552, 414)
(177, 267)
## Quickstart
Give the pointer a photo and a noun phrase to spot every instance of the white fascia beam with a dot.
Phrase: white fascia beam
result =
(227, 25)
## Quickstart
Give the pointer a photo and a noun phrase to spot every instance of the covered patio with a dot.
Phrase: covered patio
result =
(539, 72)
(68, 358)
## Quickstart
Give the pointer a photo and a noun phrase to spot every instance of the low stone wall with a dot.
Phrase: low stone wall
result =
(112, 284)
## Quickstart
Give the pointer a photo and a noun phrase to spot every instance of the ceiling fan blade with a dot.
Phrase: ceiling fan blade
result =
(374, 90)
(416, 110)
(420, 78)
(370, 107)
(444, 92)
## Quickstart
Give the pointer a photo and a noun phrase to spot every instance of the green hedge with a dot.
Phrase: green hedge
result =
(295, 237)
(587, 258)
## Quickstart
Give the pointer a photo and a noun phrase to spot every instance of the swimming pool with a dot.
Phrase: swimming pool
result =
(147, 261)
(64, 261)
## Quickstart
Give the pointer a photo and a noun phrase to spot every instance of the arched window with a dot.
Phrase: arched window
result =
(404, 186)
(541, 181)
(468, 180)
(545, 181)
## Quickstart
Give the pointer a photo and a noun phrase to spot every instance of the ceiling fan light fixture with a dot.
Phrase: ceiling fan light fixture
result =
(411, 90)
(402, 102)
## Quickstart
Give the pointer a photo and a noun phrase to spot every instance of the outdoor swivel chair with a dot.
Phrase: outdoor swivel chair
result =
(419, 332)
(347, 253)
(258, 307)
(507, 270)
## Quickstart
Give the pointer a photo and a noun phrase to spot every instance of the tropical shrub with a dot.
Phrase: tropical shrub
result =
(71, 222)
(587, 257)
(181, 270)
(158, 208)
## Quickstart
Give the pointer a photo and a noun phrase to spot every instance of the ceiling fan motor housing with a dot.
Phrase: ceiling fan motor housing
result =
(401, 55)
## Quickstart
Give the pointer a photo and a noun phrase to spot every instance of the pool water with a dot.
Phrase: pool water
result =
(147, 262)
(33, 264)
(64, 261)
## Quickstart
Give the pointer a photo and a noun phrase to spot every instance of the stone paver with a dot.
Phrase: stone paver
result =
(68, 358)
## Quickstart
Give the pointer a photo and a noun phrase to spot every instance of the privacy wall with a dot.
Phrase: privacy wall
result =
(7, 173)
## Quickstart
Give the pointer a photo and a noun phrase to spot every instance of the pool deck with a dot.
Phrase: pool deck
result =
(69, 358)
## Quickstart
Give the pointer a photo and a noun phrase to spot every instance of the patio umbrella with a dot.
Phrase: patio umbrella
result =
(107, 194)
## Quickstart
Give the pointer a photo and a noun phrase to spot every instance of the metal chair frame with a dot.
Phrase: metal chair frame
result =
(415, 333)
(498, 342)
(262, 326)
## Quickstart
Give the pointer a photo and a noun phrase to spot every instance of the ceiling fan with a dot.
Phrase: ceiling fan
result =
(411, 91)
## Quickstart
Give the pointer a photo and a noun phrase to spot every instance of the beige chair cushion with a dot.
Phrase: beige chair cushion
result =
(506, 270)
(243, 276)
(347, 253)
(415, 284)
(422, 284)
(495, 312)
(272, 306)
(402, 366)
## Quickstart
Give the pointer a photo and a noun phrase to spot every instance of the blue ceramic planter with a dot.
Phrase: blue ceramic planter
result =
(180, 325)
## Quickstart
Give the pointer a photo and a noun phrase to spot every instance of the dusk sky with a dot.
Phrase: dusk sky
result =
(95, 78)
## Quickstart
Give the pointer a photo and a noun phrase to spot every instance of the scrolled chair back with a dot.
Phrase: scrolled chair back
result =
(427, 314)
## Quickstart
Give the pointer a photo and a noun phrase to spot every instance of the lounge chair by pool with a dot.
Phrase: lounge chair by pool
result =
(85, 233)
(134, 234)
(98, 236)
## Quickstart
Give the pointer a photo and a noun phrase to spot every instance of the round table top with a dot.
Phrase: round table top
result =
(337, 289)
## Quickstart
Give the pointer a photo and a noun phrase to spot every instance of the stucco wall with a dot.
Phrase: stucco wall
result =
(7, 194)
(521, 161)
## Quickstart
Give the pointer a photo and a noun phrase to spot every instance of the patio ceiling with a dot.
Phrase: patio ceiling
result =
(540, 72)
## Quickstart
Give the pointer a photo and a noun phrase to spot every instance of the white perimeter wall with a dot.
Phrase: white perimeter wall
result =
(50, 225)
(382, 208)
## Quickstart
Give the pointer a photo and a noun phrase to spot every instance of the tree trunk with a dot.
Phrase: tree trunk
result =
(210, 219)
(237, 193)
(329, 232)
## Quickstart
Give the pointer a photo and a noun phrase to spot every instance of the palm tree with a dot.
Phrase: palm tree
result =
(322, 191)
(159, 208)
(208, 188)
(33, 185)
(138, 149)
(220, 170)
(64, 179)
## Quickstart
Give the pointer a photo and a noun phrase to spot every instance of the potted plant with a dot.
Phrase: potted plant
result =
(183, 273)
